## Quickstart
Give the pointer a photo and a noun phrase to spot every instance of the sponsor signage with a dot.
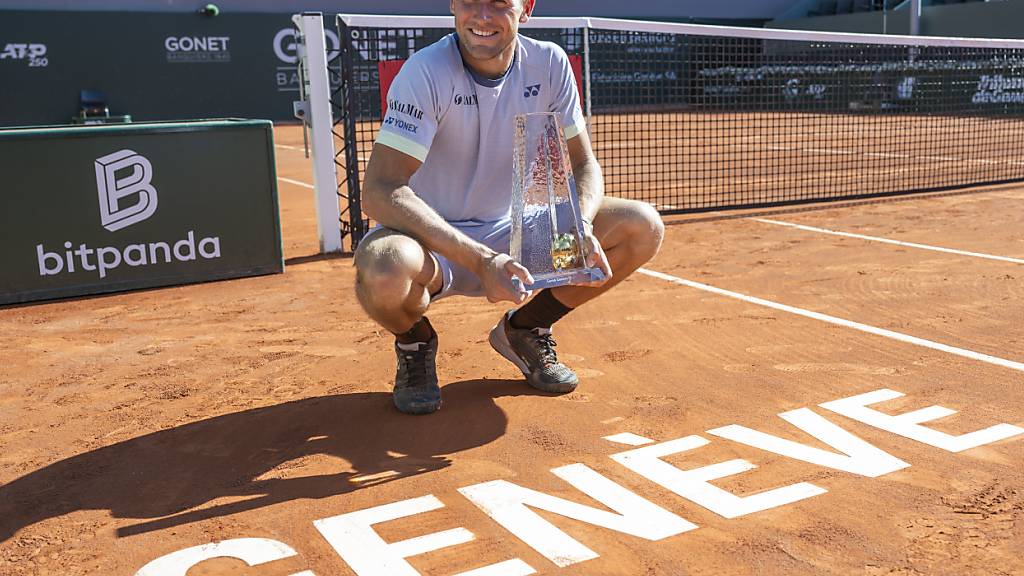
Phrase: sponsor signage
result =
(286, 53)
(190, 49)
(972, 87)
(96, 209)
(640, 70)
(152, 66)
(244, 65)
(999, 89)
(30, 53)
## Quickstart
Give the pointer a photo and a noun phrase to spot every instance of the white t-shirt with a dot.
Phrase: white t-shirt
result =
(461, 125)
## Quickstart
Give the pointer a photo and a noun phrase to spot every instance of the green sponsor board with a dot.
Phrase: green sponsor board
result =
(96, 209)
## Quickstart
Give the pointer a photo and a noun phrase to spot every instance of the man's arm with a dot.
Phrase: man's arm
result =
(586, 170)
(590, 189)
(388, 199)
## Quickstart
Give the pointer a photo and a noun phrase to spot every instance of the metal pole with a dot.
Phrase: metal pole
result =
(915, 17)
(313, 59)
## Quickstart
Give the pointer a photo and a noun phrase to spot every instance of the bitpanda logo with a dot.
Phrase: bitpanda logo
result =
(112, 190)
(124, 186)
(31, 53)
(197, 49)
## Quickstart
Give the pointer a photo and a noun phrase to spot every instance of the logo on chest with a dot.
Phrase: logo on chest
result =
(465, 100)
(531, 91)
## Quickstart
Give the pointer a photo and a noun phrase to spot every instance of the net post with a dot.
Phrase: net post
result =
(312, 51)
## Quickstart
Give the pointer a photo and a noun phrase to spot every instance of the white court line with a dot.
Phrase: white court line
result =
(840, 322)
(287, 147)
(889, 241)
(828, 151)
(885, 155)
(629, 439)
(295, 182)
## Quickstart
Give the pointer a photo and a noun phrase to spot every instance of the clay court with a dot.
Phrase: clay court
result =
(137, 425)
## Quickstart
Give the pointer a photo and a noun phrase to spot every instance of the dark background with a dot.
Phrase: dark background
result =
(124, 55)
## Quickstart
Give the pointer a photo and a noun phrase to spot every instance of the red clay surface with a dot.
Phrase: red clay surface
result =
(139, 424)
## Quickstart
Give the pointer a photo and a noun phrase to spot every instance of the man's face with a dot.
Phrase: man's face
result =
(487, 28)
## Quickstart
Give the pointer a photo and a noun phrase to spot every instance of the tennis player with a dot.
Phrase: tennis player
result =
(439, 183)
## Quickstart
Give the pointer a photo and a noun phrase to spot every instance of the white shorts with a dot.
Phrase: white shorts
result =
(456, 280)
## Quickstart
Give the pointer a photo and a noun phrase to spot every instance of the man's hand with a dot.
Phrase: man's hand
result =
(496, 273)
(595, 257)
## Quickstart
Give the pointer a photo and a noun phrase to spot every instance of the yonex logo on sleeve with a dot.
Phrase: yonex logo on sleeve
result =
(401, 124)
(531, 91)
(112, 190)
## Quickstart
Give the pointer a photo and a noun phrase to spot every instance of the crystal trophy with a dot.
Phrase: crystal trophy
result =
(547, 228)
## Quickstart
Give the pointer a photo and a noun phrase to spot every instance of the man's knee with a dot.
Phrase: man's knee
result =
(639, 226)
(386, 265)
(650, 225)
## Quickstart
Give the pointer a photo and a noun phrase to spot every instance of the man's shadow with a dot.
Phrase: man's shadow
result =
(161, 478)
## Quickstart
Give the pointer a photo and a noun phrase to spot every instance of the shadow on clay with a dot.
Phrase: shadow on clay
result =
(165, 478)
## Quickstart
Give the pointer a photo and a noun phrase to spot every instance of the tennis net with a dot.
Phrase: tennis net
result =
(693, 118)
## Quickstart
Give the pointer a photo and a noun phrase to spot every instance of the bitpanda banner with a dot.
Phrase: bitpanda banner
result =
(95, 209)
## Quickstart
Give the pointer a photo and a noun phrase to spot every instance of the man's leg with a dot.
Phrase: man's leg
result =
(395, 277)
(630, 233)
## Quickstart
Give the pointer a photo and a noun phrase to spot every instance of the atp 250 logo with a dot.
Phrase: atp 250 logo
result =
(32, 53)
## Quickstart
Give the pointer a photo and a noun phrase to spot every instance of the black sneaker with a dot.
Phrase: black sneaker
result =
(416, 390)
(533, 352)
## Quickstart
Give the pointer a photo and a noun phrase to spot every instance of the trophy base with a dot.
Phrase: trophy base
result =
(566, 278)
